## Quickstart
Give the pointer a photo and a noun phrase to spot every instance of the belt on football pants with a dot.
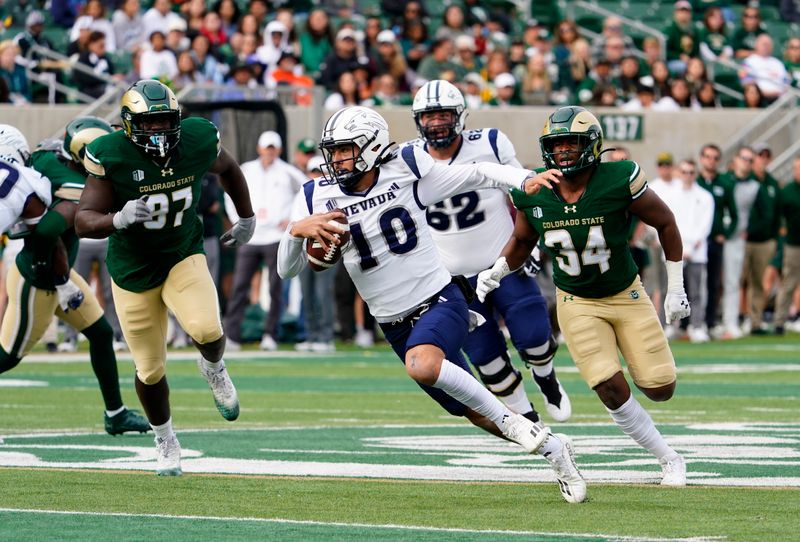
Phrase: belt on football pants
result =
(459, 280)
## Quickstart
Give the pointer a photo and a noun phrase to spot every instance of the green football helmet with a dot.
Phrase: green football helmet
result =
(147, 102)
(79, 133)
(572, 121)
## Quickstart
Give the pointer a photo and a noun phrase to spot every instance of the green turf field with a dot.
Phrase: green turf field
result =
(346, 447)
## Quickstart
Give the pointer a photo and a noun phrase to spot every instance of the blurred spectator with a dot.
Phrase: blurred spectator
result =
(619, 153)
(473, 88)
(372, 28)
(259, 9)
(790, 211)
(713, 36)
(276, 42)
(596, 82)
(744, 37)
(306, 148)
(288, 73)
(762, 232)
(706, 95)
(765, 70)
(342, 59)
(315, 41)
(791, 58)
(317, 287)
(363, 72)
(241, 74)
(496, 64)
(566, 57)
(725, 218)
(206, 63)
(612, 28)
(696, 73)
(228, 11)
(613, 53)
(628, 77)
(652, 53)
(517, 58)
(389, 60)
(194, 12)
(187, 71)
(453, 24)
(752, 96)
(34, 36)
(14, 73)
(745, 190)
(159, 17)
(682, 41)
(65, 12)
(438, 61)
(78, 45)
(158, 61)
(645, 99)
(580, 65)
(133, 73)
(660, 75)
(213, 30)
(505, 91)
(680, 92)
(34, 24)
(94, 57)
(176, 37)
(536, 83)
(346, 93)
(285, 15)
(129, 30)
(248, 26)
(273, 184)
(386, 93)
(414, 40)
(402, 12)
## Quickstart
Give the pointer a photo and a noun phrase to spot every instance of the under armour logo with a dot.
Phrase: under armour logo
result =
(568, 298)
(166, 171)
(570, 208)
(634, 294)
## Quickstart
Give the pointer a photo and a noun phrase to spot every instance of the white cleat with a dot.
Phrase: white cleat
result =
(674, 471)
(222, 387)
(570, 481)
(524, 432)
(364, 339)
(168, 456)
(268, 343)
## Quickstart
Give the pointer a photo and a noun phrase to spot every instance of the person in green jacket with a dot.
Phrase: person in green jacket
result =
(790, 212)
(725, 220)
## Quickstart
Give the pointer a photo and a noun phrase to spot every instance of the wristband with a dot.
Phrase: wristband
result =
(674, 276)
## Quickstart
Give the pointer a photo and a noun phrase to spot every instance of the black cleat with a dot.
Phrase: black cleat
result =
(125, 421)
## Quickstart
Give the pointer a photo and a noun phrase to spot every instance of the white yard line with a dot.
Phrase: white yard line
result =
(366, 525)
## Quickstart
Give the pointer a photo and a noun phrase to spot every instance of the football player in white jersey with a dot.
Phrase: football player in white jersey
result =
(482, 218)
(395, 266)
(24, 193)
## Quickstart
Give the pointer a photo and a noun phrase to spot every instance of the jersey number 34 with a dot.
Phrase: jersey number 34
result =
(595, 253)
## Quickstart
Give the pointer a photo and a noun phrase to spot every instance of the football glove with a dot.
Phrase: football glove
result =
(676, 304)
(70, 296)
(489, 279)
(240, 233)
(134, 211)
(533, 264)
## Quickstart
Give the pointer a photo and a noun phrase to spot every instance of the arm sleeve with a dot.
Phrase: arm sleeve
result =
(442, 181)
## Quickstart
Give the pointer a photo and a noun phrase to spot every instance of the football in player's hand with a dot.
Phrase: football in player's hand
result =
(318, 258)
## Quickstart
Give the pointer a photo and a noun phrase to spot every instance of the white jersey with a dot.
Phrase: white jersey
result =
(17, 184)
(391, 256)
(474, 218)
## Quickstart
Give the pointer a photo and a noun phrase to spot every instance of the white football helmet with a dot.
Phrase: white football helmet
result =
(13, 145)
(367, 131)
(439, 95)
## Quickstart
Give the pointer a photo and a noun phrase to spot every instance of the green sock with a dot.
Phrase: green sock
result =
(104, 362)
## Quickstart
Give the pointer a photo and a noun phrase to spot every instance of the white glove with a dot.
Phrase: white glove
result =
(134, 211)
(489, 279)
(676, 304)
(475, 320)
(69, 296)
(240, 233)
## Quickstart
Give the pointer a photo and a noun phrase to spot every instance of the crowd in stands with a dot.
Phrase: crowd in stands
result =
(379, 52)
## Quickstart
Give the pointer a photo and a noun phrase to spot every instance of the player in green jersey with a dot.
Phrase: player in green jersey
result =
(583, 222)
(142, 191)
(34, 297)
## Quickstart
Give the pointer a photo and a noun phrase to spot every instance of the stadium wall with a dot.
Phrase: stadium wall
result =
(681, 133)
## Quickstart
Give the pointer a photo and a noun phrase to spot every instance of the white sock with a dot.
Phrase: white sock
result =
(112, 413)
(637, 424)
(214, 365)
(164, 430)
(516, 400)
(463, 387)
(551, 448)
(543, 371)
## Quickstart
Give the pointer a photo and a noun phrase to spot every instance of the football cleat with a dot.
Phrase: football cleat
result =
(168, 456)
(570, 481)
(524, 432)
(674, 471)
(556, 400)
(127, 420)
(268, 343)
(222, 387)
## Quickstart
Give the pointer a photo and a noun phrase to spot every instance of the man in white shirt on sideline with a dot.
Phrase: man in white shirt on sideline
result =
(273, 184)
(768, 72)
(693, 207)
(159, 17)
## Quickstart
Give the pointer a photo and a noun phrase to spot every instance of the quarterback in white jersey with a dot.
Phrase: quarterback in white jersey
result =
(24, 193)
(482, 218)
(394, 264)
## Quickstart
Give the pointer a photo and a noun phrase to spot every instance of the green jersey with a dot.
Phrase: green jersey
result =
(35, 260)
(790, 209)
(588, 239)
(726, 217)
(141, 256)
